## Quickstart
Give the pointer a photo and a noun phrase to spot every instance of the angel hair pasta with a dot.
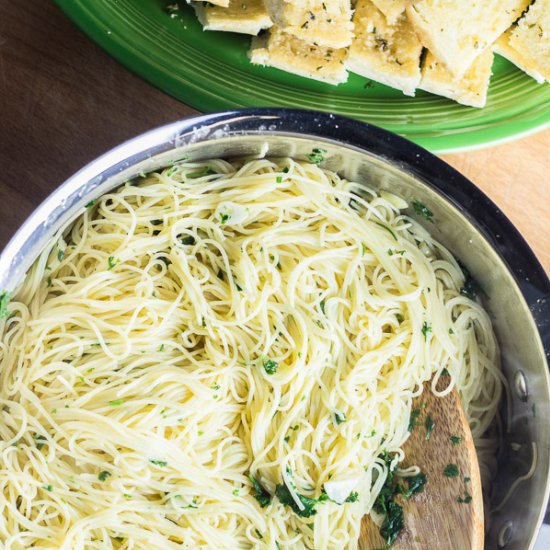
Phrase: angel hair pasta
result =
(218, 355)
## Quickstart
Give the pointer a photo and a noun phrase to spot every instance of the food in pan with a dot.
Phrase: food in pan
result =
(441, 46)
(225, 355)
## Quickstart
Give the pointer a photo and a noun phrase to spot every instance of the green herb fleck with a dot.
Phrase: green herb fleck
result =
(260, 494)
(207, 171)
(170, 172)
(451, 331)
(451, 470)
(317, 155)
(48, 488)
(236, 492)
(390, 231)
(159, 463)
(422, 210)
(187, 241)
(415, 413)
(399, 318)
(102, 476)
(116, 402)
(4, 301)
(60, 255)
(283, 494)
(470, 289)
(426, 329)
(224, 218)
(353, 496)
(258, 534)
(456, 440)
(119, 539)
(90, 204)
(429, 424)
(269, 365)
(279, 179)
(161, 348)
(322, 306)
(465, 500)
(416, 485)
(39, 441)
(215, 387)
(467, 480)
(112, 262)
(339, 417)
(393, 523)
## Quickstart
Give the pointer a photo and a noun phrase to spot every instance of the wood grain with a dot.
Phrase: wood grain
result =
(63, 101)
(436, 518)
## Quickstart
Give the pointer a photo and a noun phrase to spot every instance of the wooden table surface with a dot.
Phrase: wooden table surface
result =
(63, 101)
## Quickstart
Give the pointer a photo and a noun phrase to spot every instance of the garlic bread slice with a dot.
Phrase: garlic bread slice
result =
(288, 53)
(456, 32)
(387, 53)
(242, 16)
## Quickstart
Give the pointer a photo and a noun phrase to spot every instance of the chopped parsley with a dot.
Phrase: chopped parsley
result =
(206, 171)
(119, 539)
(284, 496)
(399, 318)
(159, 463)
(429, 424)
(422, 210)
(224, 218)
(415, 413)
(112, 262)
(353, 496)
(317, 155)
(416, 485)
(322, 306)
(90, 204)
(467, 480)
(235, 492)
(385, 501)
(339, 417)
(451, 331)
(260, 494)
(189, 240)
(215, 387)
(161, 348)
(470, 289)
(390, 231)
(102, 476)
(426, 329)
(60, 255)
(451, 470)
(116, 402)
(4, 301)
(393, 523)
(39, 441)
(279, 179)
(269, 365)
(465, 500)
(48, 488)
(456, 440)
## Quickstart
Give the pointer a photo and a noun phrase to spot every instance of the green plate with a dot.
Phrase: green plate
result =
(210, 71)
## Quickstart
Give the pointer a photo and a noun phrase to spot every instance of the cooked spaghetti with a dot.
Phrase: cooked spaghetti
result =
(220, 355)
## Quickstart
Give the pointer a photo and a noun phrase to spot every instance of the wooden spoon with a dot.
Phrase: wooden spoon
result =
(448, 514)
